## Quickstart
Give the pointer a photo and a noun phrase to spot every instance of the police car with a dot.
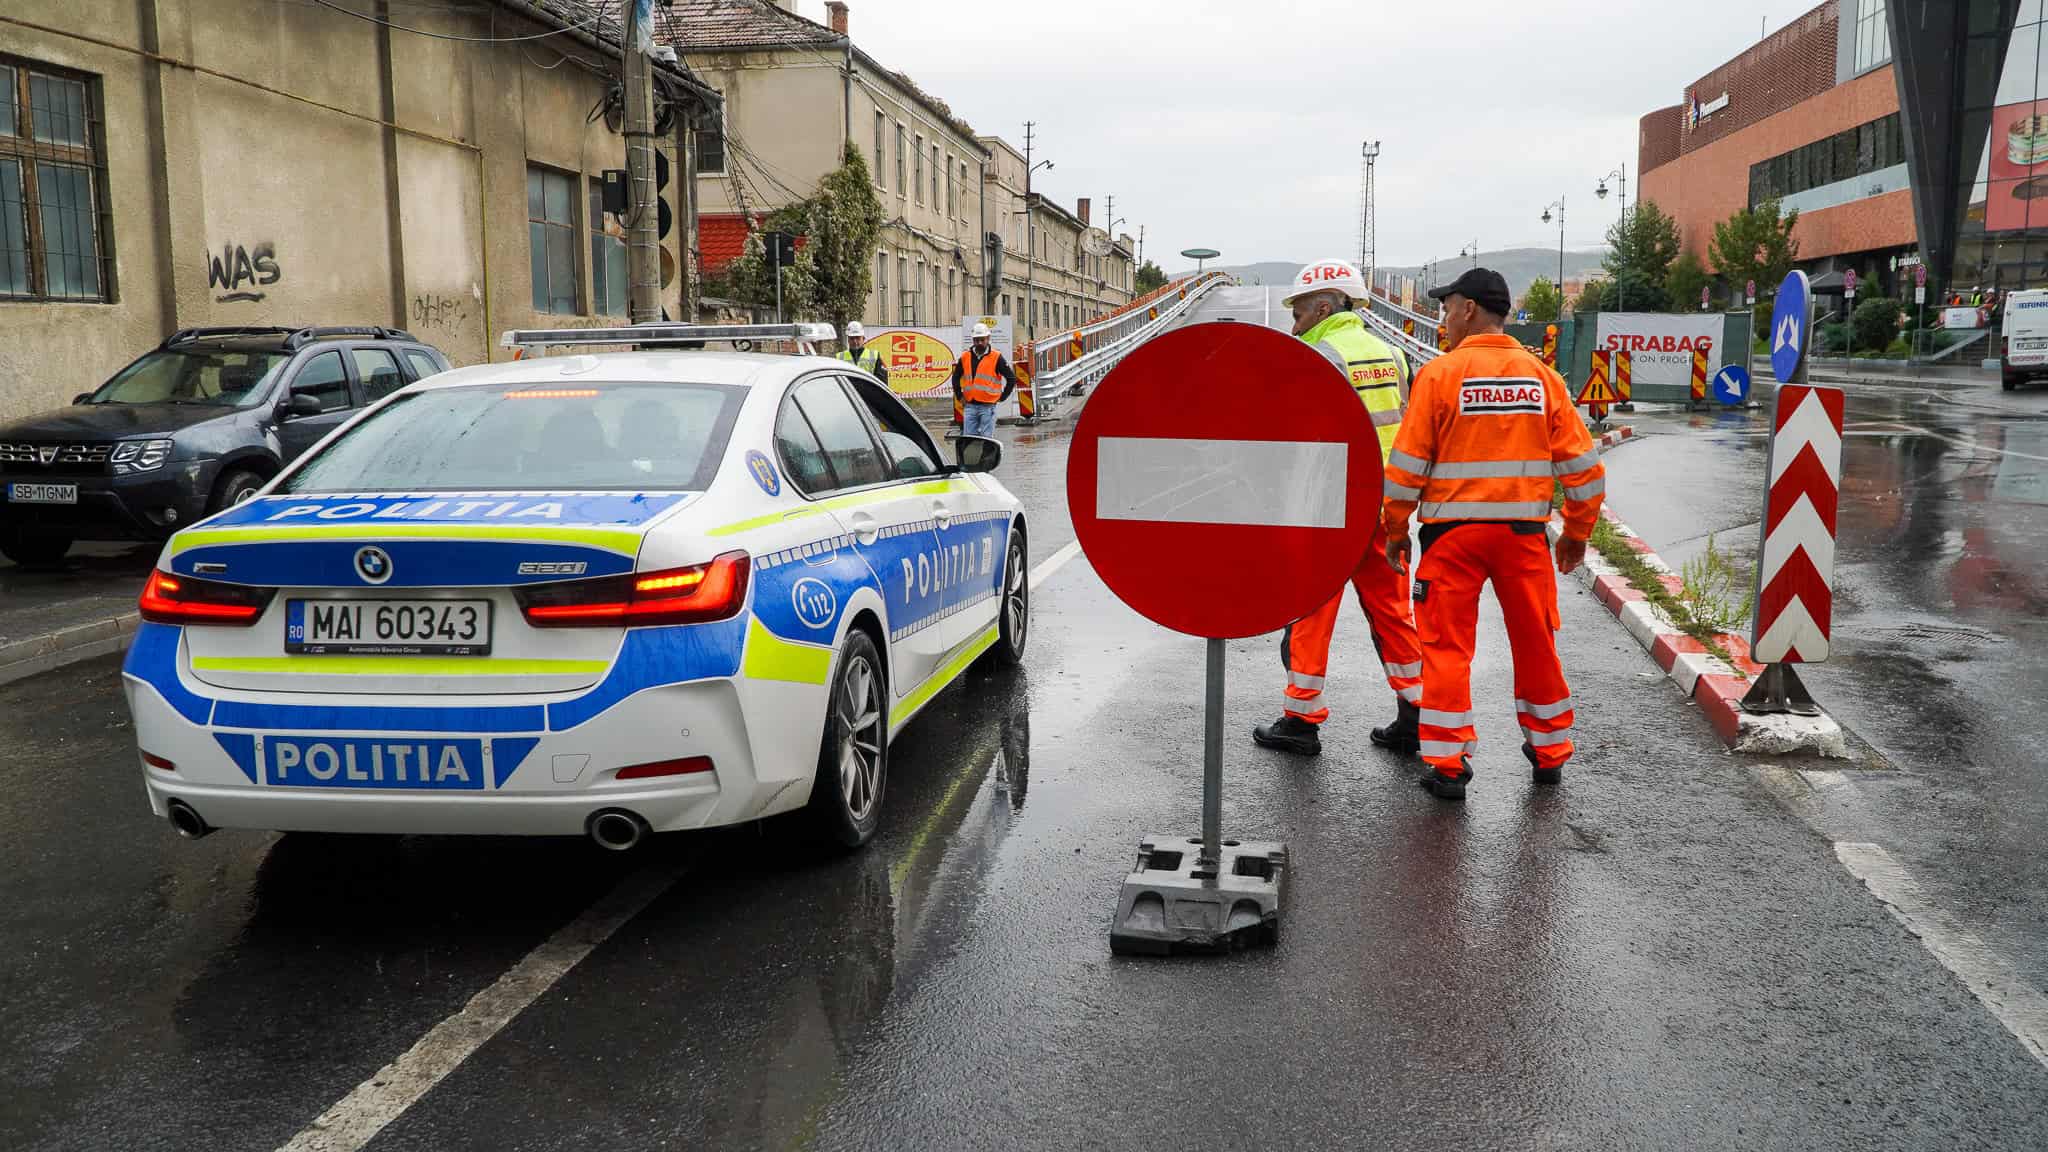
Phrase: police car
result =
(600, 594)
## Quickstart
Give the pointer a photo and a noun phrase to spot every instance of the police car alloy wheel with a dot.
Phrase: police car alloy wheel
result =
(853, 762)
(1015, 617)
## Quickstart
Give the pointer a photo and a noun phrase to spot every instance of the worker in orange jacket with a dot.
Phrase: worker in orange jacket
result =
(1488, 429)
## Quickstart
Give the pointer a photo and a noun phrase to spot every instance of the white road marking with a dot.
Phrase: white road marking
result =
(2017, 1004)
(1054, 562)
(384, 1097)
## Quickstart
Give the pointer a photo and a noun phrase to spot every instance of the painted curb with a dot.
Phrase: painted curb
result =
(1714, 684)
(38, 654)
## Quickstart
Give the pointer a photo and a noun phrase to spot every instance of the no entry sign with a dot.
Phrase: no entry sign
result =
(1224, 480)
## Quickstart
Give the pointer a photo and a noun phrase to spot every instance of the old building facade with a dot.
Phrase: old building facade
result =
(174, 163)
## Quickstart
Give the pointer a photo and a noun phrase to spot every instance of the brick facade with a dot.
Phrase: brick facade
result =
(1778, 73)
(1657, 137)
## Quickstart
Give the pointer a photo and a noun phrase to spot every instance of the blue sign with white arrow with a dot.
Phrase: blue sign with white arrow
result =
(1731, 384)
(1791, 326)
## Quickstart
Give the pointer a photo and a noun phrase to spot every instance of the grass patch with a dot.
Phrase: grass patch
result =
(1614, 548)
(1719, 594)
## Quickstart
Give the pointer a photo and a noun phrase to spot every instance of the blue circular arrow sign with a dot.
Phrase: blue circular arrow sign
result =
(1791, 326)
(1731, 384)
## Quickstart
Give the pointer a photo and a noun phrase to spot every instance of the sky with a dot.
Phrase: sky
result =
(1237, 126)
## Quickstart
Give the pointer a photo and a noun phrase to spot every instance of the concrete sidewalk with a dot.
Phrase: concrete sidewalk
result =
(84, 608)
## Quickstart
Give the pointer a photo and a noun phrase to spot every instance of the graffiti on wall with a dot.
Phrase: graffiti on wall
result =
(237, 266)
(434, 310)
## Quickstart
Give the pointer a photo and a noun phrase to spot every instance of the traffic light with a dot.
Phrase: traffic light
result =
(667, 218)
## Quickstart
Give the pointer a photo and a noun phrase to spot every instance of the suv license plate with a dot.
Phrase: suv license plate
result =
(388, 627)
(42, 493)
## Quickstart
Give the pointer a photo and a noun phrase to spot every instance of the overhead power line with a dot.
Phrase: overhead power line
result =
(329, 4)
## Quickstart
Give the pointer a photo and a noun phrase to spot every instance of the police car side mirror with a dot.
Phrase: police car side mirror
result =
(980, 454)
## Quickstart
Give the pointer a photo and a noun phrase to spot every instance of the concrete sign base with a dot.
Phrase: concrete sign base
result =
(1174, 903)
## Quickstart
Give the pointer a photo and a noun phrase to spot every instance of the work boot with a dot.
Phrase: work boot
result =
(1447, 787)
(1289, 734)
(1543, 777)
(1402, 735)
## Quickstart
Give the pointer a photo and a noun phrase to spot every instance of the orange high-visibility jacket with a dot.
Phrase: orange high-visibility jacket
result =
(1488, 427)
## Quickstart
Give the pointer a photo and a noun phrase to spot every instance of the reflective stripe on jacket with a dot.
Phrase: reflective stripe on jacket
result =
(980, 383)
(1489, 427)
(867, 359)
(1376, 371)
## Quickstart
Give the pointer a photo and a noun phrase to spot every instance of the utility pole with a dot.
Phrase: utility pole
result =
(1030, 242)
(643, 214)
(1368, 226)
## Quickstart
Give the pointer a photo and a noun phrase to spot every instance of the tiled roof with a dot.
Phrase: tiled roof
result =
(738, 25)
(602, 20)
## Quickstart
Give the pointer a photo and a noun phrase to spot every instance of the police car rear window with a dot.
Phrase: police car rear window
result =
(630, 437)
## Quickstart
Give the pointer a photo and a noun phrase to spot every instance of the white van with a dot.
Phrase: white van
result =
(2025, 354)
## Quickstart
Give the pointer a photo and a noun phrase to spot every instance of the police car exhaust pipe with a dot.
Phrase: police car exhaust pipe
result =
(187, 820)
(617, 829)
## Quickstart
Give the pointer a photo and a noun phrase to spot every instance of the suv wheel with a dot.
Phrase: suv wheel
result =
(33, 549)
(234, 488)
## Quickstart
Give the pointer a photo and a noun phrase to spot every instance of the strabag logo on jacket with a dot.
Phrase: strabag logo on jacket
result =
(1498, 397)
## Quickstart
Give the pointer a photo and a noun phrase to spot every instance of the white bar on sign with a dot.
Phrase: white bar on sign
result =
(1266, 483)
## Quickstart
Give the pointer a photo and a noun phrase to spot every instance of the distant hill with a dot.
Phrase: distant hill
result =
(1520, 266)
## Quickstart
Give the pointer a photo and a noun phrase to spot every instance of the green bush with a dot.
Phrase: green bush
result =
(1898, 349)
(1834, 339)
(1876, 322)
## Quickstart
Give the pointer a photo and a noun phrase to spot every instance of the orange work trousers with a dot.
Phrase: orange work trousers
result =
(1447, 582)
(1305, 646)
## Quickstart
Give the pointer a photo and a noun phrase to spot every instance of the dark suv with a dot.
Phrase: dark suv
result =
(196, 425)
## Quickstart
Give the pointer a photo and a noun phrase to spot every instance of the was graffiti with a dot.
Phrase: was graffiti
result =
(236, 266)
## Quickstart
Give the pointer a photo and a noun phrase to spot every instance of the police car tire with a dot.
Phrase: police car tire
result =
(1011, 637)
(859, 672)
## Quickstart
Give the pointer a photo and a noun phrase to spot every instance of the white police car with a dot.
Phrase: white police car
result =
(600, 594)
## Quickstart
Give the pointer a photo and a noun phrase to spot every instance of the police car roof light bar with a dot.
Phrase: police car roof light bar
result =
(660, 335)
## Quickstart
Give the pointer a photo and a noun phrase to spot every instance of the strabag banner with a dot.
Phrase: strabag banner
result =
(920, 360)
(1661, 344)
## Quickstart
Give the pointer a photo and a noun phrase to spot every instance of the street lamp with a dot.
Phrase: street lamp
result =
(1559, 205)
(1620, 176)
(1030, 250)
(1471, 250)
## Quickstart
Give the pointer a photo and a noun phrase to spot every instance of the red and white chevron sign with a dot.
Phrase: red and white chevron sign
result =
(1796, 567)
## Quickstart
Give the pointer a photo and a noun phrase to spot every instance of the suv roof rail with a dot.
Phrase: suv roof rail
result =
(667, 335)
(303, 336)
(187, 335)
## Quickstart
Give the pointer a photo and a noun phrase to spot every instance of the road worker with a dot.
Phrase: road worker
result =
(1321, 300)
(1488, 429)
(981, 380)
(861, 356)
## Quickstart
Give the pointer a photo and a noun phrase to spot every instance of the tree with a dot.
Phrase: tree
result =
(1150, 278)
(1596, 296)
(1640, 248)
(1755, 244)
(751, 279)
(845, 220)
(1543, 301)
(1875, 323)
(1683, 283)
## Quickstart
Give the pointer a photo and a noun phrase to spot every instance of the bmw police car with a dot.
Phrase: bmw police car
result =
(584, 594)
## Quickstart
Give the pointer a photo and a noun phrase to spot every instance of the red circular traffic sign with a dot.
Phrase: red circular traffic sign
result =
(1224, 480)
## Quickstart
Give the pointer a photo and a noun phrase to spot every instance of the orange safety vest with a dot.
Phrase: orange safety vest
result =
(979, 384)
(1489, 427)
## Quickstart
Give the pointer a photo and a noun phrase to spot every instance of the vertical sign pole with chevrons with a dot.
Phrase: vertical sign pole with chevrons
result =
(1796, 561)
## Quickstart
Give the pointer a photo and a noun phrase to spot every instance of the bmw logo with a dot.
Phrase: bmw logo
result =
(373, 564)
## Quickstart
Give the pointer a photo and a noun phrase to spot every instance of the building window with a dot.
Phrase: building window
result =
(881, 153)
(917, 175)
(936, 299)
(709, 141)
(935, 178)
(950, 209)
(551, 239)
(882, 287)
(1006, 303)
(902, 176)
(906, 309)
(54, 242)
(963, 190)
(1852, 152)
(607, 257)
(1873, 36)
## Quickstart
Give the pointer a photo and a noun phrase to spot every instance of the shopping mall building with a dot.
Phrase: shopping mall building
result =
(1902, 130)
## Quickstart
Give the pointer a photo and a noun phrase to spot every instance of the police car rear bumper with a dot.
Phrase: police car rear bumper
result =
(557, 782)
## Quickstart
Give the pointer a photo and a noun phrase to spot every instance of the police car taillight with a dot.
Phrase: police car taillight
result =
(694, 595)
(169, 599)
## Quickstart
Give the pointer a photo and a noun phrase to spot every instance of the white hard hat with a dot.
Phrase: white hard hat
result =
(854, 331)
(980, 330)
(1327, 276)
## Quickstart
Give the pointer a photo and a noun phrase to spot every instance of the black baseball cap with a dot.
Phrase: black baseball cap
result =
(1482, 286)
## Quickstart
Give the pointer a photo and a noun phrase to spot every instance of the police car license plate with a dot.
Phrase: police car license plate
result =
(388, 627)
(42, 493)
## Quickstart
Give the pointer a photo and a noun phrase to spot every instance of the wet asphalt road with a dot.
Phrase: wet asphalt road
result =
(1941, 643)
(1659, 955)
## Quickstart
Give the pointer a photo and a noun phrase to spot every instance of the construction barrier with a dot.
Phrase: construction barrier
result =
(1550, 346)
(1699, 377)
(1027, 394)
(1408, 327)
(1624, 370)
(1599, 390)
(1443, 338)
(959, 412)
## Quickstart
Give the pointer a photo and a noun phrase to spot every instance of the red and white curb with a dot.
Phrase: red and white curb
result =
(1716, 685)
